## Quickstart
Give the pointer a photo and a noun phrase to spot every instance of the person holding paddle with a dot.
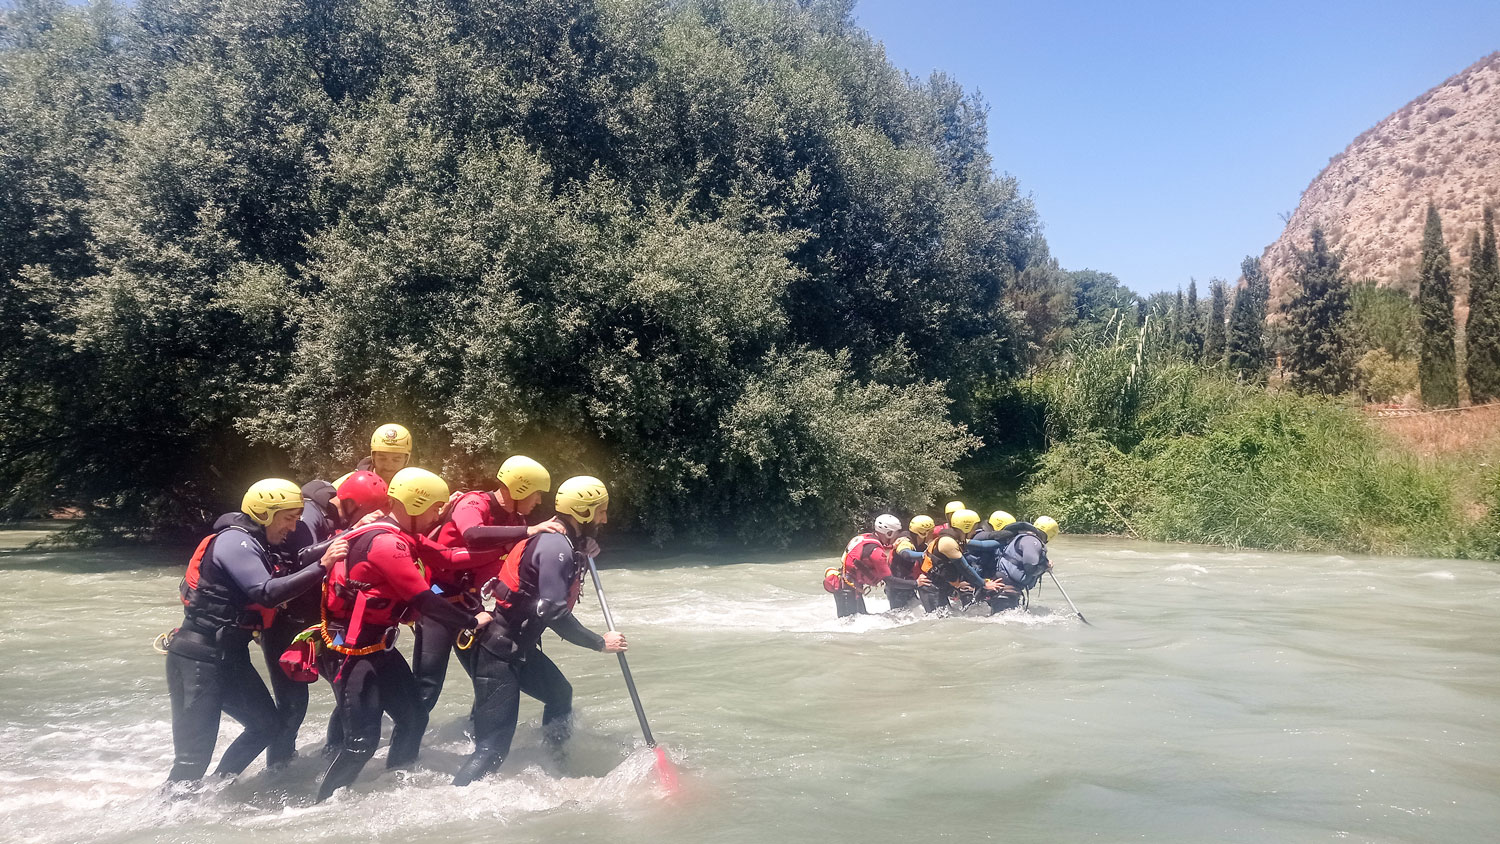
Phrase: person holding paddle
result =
(536, 590)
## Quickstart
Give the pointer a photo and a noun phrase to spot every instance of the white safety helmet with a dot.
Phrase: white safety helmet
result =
(887, 526)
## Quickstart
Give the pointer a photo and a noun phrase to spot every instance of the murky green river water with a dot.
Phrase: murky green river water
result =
(1220, 696)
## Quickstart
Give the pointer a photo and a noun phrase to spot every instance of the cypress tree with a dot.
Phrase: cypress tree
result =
(1213, 343)
(1192, 329)
(1320, 346)
(1437, 366)
(1176, 325)
(1482, 330)
(1246, 340)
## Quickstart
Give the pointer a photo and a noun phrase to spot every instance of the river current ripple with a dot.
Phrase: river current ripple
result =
(1219, 696)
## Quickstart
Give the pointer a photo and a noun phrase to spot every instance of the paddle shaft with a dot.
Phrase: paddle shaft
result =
(1054, 582)
(609, 621)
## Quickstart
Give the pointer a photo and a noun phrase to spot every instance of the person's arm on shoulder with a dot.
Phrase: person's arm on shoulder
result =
(241, 559)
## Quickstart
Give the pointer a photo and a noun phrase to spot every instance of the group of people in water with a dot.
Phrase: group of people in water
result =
(324, 574)
(966, 565)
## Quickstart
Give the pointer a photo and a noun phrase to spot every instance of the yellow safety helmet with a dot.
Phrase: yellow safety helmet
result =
(951, 508)
(264, 499)
(964, 520)
(1000, 519)
(1047, 525)
(581, 496)
(523, 476)
(392, 438)
(418, 490)
(921, 525)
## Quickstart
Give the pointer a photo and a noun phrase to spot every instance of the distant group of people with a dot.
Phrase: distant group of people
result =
(964, 565)
(323, 575)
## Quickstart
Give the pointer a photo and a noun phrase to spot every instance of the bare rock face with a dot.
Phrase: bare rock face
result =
(1442, 147)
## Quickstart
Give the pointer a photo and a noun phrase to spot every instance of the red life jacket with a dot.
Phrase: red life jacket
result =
(454, 583)
(521, 595)
(867, 561)
(212, 604)
(363, 609)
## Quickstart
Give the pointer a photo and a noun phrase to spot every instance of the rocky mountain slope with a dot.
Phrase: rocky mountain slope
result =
(1372, 198)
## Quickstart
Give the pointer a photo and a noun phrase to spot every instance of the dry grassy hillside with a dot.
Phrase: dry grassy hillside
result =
(1372, 198)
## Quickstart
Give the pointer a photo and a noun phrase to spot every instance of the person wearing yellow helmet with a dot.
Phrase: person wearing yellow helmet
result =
(390, 451)
(907, 553)
(229, 592)
(536, 590)
(945, 572)
(1020, 562)
(488, 524)
(948, 510)
(380, 582)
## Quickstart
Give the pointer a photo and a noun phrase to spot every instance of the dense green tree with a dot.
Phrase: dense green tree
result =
(720, 251)
(1482, 329)
(1192, 328)
(1213, 342)
(1385, 318)
(1246, 350)
(1320, 348)
(1177, 325)
(1437, 365)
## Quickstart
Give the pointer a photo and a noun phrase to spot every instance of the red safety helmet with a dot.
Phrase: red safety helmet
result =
(365, 490)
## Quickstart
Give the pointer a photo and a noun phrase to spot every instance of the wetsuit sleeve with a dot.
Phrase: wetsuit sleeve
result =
(431, 605)
(244, 563)
(552, 556)
(910, 555)
(984, 545)
(313, 553)
(900, 582)
(949, 549)
(571, 629)
(488, 537)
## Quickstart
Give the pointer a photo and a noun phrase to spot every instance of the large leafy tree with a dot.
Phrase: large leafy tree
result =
(1437, 365)
(720, 251)
(1213, 342)
(1320, 348)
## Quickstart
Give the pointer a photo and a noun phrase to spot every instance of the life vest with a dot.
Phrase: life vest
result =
(1012, 557)
(905, 541)
(357, 607)
(453, 585)
(866, 561)
(515, 603)
(934, 564)
(212, 605)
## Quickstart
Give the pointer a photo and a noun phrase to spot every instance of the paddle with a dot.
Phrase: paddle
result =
(1065, 598)
(663, 764)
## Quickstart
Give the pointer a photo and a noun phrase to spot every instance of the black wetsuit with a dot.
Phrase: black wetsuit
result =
(303, 548)
(208, 660)
(938, 595)
(508, 658)
(901, 590)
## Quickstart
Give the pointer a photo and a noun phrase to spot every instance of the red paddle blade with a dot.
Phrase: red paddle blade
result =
(666, 771)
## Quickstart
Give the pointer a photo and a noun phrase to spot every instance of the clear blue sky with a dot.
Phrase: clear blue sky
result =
(1162, 140)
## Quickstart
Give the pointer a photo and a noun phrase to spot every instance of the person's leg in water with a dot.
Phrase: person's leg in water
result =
(848, 602)
(497, 705)
(429, 659)
(356, 690)
(936, 598)
(246, 700)
(291, 696)
(400, 700)
(543, 680)
(899, 597)
(196, 706)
